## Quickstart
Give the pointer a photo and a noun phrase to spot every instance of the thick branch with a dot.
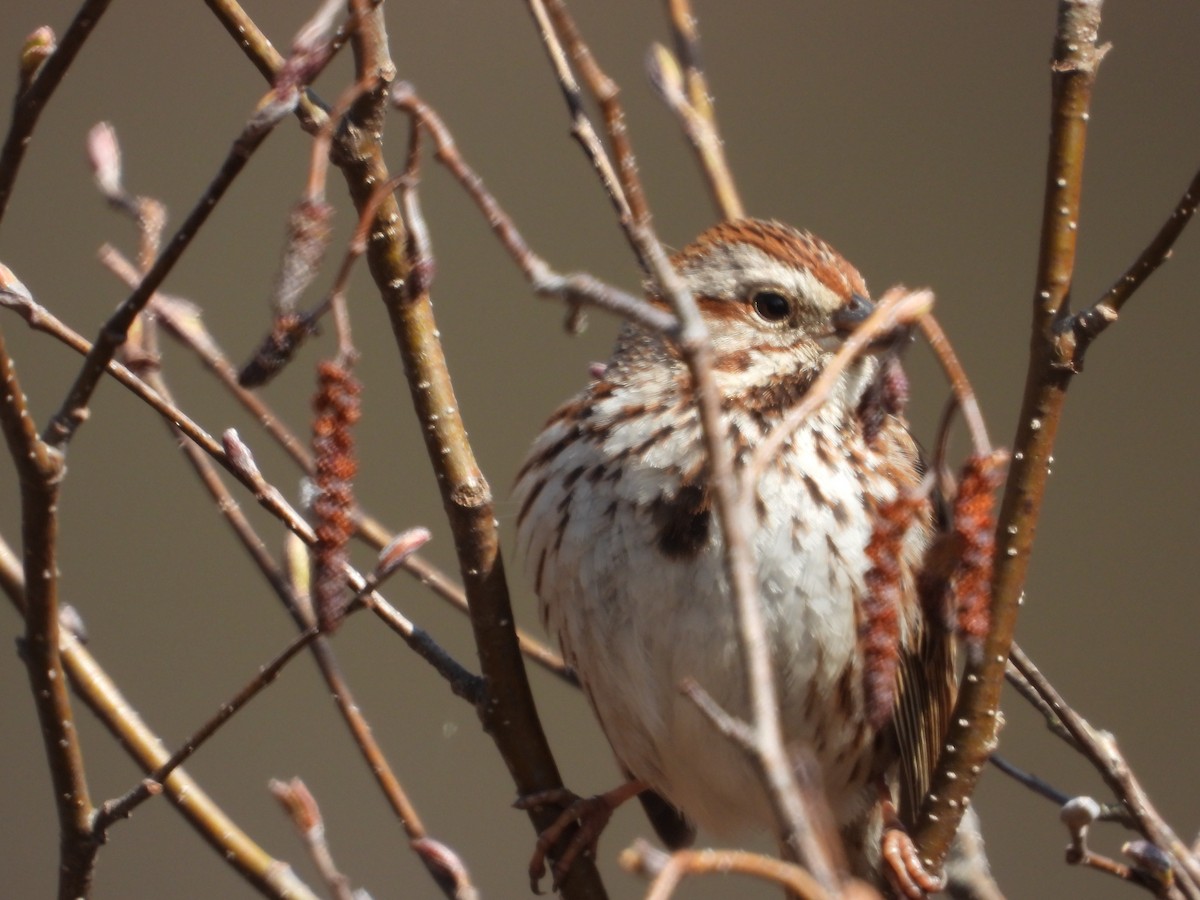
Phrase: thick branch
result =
(39, 471)
(270, 876)
(976, 720)
(508, 713)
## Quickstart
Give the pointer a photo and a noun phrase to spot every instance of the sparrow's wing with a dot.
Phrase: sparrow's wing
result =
(926, 684)
(925, 692)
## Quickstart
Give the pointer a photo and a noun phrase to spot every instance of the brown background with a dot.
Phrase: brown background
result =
(912, 136)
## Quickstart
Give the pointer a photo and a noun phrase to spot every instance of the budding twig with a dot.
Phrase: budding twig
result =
(73, 410)
(36, 91)
(1101, 750)
(683, 86)
(273, 877)
(301, 807)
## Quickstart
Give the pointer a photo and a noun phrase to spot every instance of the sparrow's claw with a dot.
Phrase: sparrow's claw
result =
(903, 867)
(591, 814)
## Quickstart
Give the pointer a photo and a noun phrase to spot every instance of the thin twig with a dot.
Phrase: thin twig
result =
(454, 879)
(73, 411)
(302, 809)
(123, 807)
(581, 126)
(683, 86)
(896, 308)
(735, 516)
(607, 94)
(322, 651)
(191, 333)
(964, 396)
(573, 289)
(263, 55)
(183, 322)
(1090, 322)
(734, 509)
(301, 615)
(463, 682)
(668, 870)
(1035, 699)
(1031, 781)
(241, 463)
(1101, 750)
(1109, 812)
(33, 99)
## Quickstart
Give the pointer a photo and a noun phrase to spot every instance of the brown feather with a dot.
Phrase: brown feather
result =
(925, 693)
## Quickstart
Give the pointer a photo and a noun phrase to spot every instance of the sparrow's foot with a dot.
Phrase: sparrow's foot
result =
(902, 866)
(590, 814)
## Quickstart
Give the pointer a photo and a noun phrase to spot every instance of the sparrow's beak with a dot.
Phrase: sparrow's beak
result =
(856, 311)
(852, 314)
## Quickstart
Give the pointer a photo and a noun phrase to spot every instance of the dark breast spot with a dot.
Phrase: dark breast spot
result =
(814, 490)
(821, 447)
(683, 521)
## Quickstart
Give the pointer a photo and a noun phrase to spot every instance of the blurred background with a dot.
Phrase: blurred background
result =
(911, 136)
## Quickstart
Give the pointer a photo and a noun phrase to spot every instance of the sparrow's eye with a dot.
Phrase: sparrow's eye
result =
(771, 306)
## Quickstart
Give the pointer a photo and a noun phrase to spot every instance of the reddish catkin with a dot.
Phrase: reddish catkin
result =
(879, 627)
(955, 580)
(337, 410)
(974, 527)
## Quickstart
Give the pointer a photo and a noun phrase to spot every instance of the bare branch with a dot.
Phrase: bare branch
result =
(669, 869)
(1090, 322)
(506, 707)
(40, 469)
(508, 712)
(36, 93)
(73, 411)
(734, 512)
(1100, 748)
(262, 54)
(271, 876)
(573, 289)
(897, 307)
(683, 86)
(123, 807)
(566, 47)
(455, 880)
(301, 807)
(976, 721)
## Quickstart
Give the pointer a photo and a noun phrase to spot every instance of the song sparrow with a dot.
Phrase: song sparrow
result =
(616, 524)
